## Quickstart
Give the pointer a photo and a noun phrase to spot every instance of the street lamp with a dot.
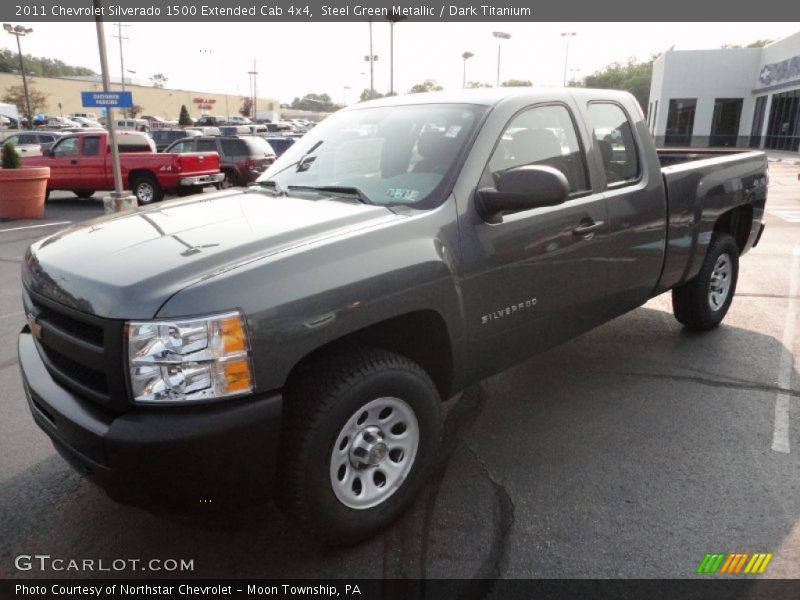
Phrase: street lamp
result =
(500, 35)
(568, 35)
(466, 56)
(393, 18)
(20, 31)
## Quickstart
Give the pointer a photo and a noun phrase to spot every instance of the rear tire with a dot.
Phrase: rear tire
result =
(84, 194)
(345, 475)
(146, 189)
(703, 302)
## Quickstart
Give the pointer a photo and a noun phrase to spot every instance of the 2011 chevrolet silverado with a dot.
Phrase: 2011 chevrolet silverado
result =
(298, 336)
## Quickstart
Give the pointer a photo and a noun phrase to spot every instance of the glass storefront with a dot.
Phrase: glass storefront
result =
(783, 129)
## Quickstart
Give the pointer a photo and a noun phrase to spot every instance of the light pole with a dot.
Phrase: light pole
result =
(254, 73)
(466, 56)
(393, 18)
(574, 74)
(500, 35)
(568, 35)
(20, 31)
(344, 95)
(120, 37)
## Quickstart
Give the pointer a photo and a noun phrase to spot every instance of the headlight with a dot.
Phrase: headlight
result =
(189, 360)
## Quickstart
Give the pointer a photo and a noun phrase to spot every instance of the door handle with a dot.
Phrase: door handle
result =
(588, 228)
(73, 161)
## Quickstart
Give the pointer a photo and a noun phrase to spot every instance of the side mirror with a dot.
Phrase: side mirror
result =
(522, 188)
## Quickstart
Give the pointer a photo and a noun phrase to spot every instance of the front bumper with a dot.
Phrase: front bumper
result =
(158, 459)
(202, 180)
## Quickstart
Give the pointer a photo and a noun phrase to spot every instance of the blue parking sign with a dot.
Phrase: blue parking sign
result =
(107, 99)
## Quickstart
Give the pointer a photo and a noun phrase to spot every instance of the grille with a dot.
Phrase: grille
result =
(82, 352)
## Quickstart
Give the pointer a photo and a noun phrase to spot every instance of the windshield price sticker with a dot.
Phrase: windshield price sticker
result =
(401, 194)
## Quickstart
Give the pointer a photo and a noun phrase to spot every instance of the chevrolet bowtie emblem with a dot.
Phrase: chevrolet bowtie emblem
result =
(36, 328)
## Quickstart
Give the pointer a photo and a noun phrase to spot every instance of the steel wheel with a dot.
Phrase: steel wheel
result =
(720, 284)
(374, 453)
(145, 192)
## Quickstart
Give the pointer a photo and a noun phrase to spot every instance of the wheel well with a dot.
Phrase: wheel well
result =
(737, 222)
(420, 336)
(138, 173)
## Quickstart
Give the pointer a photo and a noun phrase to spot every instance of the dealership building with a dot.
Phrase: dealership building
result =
(745, 97)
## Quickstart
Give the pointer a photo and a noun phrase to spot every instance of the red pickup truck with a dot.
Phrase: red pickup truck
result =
(81, 163)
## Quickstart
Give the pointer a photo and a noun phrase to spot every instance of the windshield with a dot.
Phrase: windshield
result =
(390, 155)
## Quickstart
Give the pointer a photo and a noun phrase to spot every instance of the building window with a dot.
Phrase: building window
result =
(783, 132)
(680, 122)
(725, 122)
(758, 122)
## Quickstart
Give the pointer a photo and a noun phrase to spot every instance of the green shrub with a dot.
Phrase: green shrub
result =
(10, 157)
(184, 120)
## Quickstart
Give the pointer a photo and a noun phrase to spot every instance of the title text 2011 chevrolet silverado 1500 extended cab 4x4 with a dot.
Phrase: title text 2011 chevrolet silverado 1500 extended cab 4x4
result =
(299, 335)
(81, 163)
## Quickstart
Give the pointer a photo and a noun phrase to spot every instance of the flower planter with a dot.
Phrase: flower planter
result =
(22, 192)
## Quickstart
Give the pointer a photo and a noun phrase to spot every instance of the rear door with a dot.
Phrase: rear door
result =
(92, 164)
(539, 276)
(636, 204)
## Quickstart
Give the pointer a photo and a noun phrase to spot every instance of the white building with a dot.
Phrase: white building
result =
(728, 97)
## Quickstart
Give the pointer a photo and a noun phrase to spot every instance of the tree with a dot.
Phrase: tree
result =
(429, 85)
(247, 107)
(159, 80)
(633, 77)
(516, 83)
(759, 43)
(184, 120)
(16, 95)
(133, 111)
(370, 95)
(39, 66)
(472, 85)
(315, 102)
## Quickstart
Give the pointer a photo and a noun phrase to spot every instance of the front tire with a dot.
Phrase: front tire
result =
(702, 302)
(146, 189)
(84, 194)
(361, 431)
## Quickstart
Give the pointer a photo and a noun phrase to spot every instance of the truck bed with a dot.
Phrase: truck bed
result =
(701, 185)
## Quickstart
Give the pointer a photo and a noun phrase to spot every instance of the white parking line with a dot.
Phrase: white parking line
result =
(36, 226)
(780, 435)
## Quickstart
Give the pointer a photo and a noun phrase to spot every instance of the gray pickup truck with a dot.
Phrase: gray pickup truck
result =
(297, 337)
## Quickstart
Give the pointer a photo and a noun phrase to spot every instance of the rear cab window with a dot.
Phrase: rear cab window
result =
(613, 134)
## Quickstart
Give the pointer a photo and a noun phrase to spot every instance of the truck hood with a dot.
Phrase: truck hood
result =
(126, 266)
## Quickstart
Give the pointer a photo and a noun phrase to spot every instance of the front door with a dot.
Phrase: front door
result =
(64, 171)
(538, 277)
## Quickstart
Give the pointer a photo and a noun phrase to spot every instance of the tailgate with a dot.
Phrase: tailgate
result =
(199, 163)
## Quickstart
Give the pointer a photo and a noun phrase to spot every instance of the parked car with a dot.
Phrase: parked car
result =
(242, 159)
(238, 120)
(81, 163)
(84, 122)
(132, 125)
(43, 139)
(164, 137)
(204, 130)
(299, 336)
(210, 121)
(279, 143)
(85, 115)
(155, 122)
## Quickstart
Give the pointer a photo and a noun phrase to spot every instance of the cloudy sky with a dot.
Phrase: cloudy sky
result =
(296, 59)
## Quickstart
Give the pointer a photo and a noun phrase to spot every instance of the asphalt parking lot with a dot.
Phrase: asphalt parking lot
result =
(628, 452)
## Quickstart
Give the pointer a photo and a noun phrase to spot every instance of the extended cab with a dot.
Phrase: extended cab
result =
(81, 163)
(299, 335)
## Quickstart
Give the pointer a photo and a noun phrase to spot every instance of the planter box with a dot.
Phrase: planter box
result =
(23, 192)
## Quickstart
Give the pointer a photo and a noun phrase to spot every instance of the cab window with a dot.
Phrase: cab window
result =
(542, 136)
(91, 146)
(66, 147)
(613, 135)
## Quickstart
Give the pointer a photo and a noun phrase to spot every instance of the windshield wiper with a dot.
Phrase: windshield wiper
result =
(335, 190)
(271, 185)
